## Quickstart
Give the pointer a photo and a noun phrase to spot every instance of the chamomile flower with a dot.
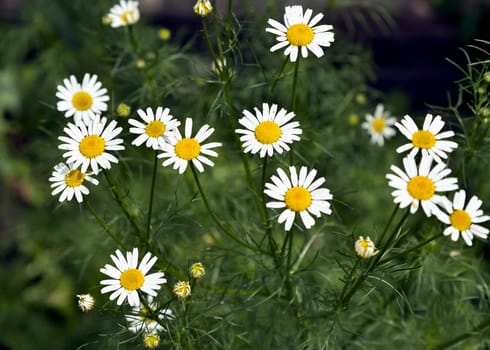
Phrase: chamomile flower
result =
(86, 145)
(463, 220)
(430, 140)
(82, 101)
(197, 270)
(151, 340)
(182, 150)
(420, 185)
(203, 8)
(128, 278)
(365, 248)
(299, 32)
(268, 130)
(124, 14)
(182, 289)
(86, 302)
(146, 318)
(69, 181)
(379, 125)
(299, 193)
(155, 129)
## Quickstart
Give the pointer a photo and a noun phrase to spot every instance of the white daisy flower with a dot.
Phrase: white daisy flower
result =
(463, 220)
(82, 101)
(298, 194)
(127, 278)
(69, 181)
(181, 150)
(429, 139)
(365, 248)
(268, 130)
(155, 129)
(145, 318)
(86, 145)
(151, 340)
(124, 14)
(299, 31)
(379, 125)
(420, 186)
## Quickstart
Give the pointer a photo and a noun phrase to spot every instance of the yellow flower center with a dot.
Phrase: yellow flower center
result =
(421, 187)
(297, 198)
(423, 139)
(155, 128)
(92, 146)
(132, 279)
(74, 178)
(364, 244)
(267, 132)
(460, 220)
(300, 34)
(187, 148)
(82, 101)
(378, 124)
(126, 17)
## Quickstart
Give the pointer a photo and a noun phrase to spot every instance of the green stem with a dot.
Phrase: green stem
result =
(208, 41)
(295, 83)
(121, 201)
(105, 227)
(132, 40)
(277, 76)
(215, 218)
(152, 193)
(414, 248)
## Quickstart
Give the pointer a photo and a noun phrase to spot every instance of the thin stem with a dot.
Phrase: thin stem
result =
(414, 248)
(104, 226)
(295, 83)
(121, 201)
(277, 76)
(208, 41)
(215, 218)
(132, 40)
(152, 192)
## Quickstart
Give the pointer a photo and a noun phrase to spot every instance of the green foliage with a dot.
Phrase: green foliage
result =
(264, 287)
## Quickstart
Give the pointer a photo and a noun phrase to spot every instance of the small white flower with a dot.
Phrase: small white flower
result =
(182, 150)
(86, 302)
(462, 220)
(430, 140)
(203, 8)
(182, 289)
(82, 101)
(86, 145)
(379, 125)
(299, 32)
(268, 130)
(420, 185)
(145, 319)
(299, 193)
(69, 181)
(124, 14)
(156, 127)
(128, 278)
(365, 248)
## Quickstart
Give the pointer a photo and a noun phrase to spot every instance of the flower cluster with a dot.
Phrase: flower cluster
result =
(423, 182)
